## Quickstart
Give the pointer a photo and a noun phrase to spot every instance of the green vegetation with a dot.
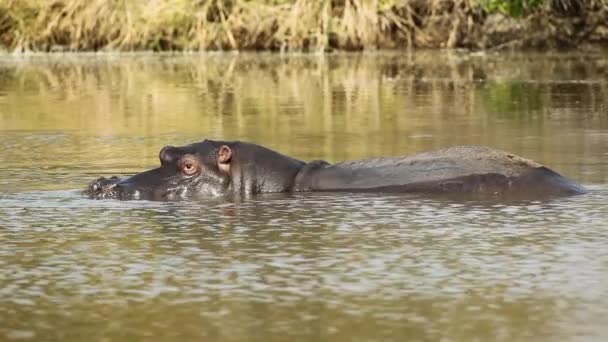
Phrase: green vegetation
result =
(309, 25)
(512, 7)
(515, 100)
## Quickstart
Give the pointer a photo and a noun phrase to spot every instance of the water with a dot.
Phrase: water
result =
(304, 267)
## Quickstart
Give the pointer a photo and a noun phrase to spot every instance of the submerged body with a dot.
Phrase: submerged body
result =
(218, 168)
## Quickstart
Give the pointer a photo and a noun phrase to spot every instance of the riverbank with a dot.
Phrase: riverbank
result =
(297, 25)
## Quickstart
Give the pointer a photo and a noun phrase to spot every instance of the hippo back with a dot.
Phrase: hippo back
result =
(461, 169)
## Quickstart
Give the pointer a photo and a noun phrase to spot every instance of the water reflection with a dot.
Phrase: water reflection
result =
(546, 107)
(299, 266)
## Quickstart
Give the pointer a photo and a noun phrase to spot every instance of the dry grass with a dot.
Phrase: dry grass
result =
(184, 24)
(309, 25)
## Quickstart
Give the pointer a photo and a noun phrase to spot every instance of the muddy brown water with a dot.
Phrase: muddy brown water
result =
(309, 267)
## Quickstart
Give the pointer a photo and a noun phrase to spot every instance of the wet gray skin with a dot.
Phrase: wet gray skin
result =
(219, 168)
(204, 169)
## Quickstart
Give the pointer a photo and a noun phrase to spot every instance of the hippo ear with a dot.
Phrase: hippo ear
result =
(167, 155)
(224, 154)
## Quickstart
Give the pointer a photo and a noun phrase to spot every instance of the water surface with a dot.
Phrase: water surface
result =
(302, 266)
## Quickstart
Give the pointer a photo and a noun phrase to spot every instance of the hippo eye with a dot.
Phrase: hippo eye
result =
(189, 166)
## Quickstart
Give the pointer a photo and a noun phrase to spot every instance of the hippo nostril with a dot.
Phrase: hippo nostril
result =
(110, 186)
(104, 184)
(103, 187)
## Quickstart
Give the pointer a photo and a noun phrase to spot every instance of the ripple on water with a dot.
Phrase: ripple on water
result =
(393, 258)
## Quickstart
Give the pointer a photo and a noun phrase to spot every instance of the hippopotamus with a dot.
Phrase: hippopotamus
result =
(234, 168)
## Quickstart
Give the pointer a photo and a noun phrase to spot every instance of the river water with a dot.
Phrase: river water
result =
(300, 267)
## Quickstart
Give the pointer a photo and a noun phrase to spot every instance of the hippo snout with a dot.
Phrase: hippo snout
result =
(104, 184)
(103, 188)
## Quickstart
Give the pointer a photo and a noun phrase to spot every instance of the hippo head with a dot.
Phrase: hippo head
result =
(193, 171)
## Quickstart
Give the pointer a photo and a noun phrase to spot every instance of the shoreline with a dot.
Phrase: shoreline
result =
(589, 51)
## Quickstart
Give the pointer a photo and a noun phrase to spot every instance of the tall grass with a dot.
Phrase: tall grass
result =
(312, 25)
(186, 24)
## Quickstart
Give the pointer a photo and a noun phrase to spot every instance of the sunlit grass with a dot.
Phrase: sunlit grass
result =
(302, 25)
(187, 25)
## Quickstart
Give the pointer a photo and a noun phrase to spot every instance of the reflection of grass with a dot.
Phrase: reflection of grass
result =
(146, 95)
(513, 99)
(353, 105)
